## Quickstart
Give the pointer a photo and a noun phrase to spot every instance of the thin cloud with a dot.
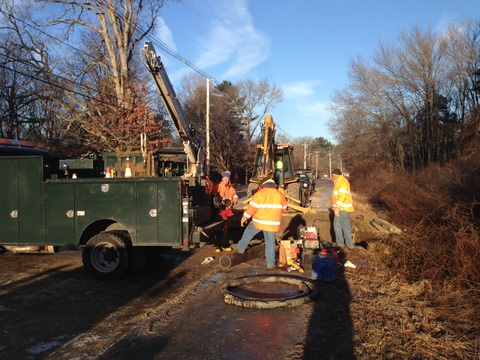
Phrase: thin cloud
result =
(316, 109)
(299, 89)
(233, 39)
(447, 19)
(165, 34)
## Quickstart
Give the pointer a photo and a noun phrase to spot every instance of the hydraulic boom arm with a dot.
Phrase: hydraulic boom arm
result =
(268, 143)
(192, 145)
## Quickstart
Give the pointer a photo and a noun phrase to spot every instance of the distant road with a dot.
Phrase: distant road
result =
(322, 198)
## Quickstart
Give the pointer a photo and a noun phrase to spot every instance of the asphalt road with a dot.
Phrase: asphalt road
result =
(51, 309)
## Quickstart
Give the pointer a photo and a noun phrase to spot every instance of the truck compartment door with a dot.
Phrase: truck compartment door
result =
(60, 214)
(9, 201)
(22, 192)
(147, 213)
(169, 214)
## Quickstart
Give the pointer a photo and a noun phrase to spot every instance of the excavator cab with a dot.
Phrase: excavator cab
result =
(278, 166)
(275, 161)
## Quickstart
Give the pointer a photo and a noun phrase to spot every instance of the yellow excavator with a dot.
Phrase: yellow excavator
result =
(275, 161)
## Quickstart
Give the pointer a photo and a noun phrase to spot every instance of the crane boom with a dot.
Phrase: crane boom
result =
(193, 146)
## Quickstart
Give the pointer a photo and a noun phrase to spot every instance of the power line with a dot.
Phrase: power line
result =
(177, 56)
(283, 131)
(160, 44)
(57, 86)
(43, 32)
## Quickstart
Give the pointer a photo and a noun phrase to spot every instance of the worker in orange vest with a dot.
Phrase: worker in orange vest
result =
(228, 197)
(266, 210)
(225, 190)
(342, 207)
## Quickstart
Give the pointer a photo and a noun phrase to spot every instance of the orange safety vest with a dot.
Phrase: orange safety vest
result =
(266, 209)
(227, 192)
(341, 197)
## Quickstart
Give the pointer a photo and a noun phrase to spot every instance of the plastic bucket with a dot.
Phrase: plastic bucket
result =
(324, 267)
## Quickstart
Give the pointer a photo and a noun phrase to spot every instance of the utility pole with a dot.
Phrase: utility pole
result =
(316, 164)
(330, 164)
(208, 129)
(305, 156)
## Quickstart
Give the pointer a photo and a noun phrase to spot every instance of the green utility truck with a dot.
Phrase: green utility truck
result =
(115, 220)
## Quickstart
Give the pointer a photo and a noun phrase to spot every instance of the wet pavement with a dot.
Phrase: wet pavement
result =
(174, 311)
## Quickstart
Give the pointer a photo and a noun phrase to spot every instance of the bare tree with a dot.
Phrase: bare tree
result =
(464, 55)
(399, 110)
(26, 100)
(255, 99)
(121, 24)
(98, 77)
(227, 143)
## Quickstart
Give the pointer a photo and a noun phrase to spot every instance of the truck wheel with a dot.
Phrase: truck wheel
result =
(107, 255)
(293, 190)
(305, 196)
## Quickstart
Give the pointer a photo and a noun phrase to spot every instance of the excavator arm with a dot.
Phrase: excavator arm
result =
(268, 143)
(193, 147)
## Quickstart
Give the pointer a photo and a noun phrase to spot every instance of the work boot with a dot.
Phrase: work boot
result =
(217, 250)
(227, 249)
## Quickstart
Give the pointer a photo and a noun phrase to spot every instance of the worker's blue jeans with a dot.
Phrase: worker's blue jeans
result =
(343, 230)
(269, 236)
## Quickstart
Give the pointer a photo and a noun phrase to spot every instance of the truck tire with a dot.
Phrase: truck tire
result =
(305, 196)
(293, 190)
(107, 256)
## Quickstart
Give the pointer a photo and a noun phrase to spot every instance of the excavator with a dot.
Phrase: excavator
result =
(275, 161)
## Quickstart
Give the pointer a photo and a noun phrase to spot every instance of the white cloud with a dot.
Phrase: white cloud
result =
(447, 19)
(233, 39)
(165, 34)
(316, 109)
(299, 89)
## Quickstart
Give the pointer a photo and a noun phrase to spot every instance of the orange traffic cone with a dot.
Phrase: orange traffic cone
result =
(108, 173)
(128, 171)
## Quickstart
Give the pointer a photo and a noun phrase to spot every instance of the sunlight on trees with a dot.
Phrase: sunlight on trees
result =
(91, 81)
(406, 106)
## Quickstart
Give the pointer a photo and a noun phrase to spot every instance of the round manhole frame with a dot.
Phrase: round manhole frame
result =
(307, 288)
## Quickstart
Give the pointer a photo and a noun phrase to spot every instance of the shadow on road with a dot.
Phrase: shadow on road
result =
(330, 329)
(46, 300)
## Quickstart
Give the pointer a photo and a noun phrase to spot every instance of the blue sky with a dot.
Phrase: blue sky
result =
(304, 46)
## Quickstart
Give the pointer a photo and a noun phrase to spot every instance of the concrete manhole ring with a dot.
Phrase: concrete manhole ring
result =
(296, 291)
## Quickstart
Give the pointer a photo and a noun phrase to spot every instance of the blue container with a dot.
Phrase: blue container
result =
(324, 268)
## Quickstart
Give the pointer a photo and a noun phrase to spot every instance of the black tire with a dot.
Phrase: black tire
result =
(107, 256)
(293, 190)
(305, 197)
(2, 249)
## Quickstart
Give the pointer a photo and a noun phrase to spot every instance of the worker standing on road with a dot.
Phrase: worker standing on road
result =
(342, 206)
(265, 209)
(227, 195)
(225, 190)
